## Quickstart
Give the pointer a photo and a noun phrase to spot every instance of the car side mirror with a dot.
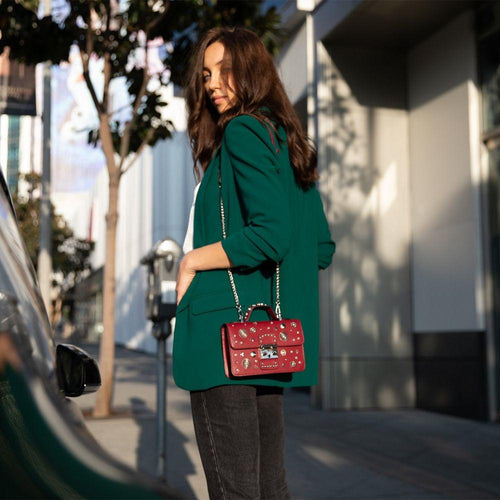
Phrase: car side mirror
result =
(77, 372)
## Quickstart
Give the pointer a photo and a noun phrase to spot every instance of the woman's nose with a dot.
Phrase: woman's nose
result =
(214, 81)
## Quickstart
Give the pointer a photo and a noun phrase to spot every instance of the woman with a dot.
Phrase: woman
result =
(241, 121)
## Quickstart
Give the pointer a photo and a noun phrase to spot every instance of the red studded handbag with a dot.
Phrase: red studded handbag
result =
(252, 348)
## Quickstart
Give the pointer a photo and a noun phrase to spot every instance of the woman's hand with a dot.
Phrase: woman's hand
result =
(203, 258)
(184, 277)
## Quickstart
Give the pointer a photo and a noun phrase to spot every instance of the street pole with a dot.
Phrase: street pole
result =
(312, 115)
(312, 97)
(45, 235)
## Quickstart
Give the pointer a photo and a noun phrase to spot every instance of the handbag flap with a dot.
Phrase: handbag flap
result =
(253, 334)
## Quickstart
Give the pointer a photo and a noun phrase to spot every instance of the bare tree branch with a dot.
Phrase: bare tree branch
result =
(118, 110)
(158, 19)
(125, 143)
(88, 81)
(86, 55)
(107, 60)
(107, 79)
(144, 143)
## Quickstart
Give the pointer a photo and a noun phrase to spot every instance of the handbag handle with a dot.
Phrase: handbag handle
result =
(261, 305)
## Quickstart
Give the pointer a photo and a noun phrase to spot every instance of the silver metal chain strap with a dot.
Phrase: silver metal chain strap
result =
(229, 272)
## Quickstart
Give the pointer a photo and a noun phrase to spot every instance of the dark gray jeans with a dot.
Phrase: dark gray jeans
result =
(240, 435)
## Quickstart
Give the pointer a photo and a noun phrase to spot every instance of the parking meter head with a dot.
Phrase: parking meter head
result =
(162, 262)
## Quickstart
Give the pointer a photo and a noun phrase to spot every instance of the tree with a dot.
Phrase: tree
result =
(121, 34)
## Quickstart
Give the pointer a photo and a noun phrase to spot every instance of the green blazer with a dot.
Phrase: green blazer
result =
(269, 218)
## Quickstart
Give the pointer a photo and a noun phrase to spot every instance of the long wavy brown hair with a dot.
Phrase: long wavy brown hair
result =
(257, 84)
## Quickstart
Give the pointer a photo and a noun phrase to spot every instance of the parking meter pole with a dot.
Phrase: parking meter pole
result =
(161, 407)
(162, 262)
(162, 331)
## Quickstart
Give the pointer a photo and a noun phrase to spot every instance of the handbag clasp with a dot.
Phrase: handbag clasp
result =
(268, 351)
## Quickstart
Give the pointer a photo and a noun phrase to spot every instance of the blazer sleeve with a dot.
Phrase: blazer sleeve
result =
(326, 246)
(267, 232)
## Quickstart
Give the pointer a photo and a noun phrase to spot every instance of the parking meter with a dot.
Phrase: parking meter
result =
(161, 303)
(162, 262)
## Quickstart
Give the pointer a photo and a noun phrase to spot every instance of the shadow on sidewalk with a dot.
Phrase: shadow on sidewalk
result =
(377, 454)
(179, 466)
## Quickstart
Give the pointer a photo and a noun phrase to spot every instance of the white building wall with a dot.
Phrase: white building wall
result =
(173, 186)
(398, 139)
(366, 354)
(30, 144)
(96, 218)
(291, 63)
(134, 241)
(75, 208)
(444, 154)
(366, 343)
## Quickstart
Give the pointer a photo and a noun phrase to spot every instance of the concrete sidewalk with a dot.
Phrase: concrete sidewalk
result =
(407, 454)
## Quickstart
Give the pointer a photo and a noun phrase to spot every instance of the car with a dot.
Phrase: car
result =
(46, 450)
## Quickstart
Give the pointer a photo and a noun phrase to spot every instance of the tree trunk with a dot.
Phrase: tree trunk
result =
(102, 406)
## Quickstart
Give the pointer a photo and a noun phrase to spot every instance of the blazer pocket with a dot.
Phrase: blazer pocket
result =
(185, 298)
(213, 302)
